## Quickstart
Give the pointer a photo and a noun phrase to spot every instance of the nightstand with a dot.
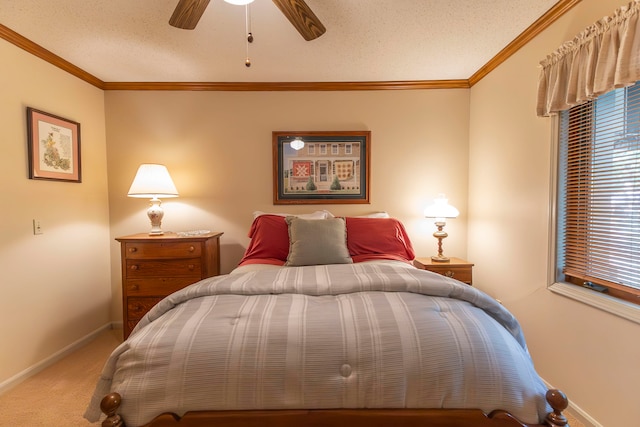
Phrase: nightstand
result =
(456, 268)
(156, 266)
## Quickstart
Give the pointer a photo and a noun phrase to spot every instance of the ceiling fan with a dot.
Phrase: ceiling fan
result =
(188, 13)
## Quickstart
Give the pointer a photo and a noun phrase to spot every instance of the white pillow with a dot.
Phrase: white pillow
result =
(313, 215)
(375, 215)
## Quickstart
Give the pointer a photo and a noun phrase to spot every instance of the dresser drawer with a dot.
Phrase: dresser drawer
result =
(185, 267)
(136, 250)
(138, 306)
(156, 266)
(131, 324)
(462, 274)
(456, 268)
(157, 285)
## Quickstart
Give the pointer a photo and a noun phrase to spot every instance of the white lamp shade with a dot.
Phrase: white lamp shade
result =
(152, 181)
(441, 209)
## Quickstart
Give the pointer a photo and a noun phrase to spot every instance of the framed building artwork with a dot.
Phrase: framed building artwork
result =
(53, 144)
(321, 167)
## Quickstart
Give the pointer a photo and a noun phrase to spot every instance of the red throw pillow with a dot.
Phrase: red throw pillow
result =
(367, 239)
(269, 241)
(378, 238)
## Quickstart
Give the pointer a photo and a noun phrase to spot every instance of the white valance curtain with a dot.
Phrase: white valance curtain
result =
(601, 58)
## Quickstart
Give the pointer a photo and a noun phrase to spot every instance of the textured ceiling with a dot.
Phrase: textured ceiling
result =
(366, 40)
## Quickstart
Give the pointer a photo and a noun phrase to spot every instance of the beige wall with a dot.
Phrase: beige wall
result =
(484, 147)
(55, 286)
(589, 354)
(217, 146)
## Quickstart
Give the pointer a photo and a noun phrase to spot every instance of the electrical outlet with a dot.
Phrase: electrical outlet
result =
(37, 226)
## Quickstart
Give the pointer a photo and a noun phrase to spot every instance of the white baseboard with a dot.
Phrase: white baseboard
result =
(118, 324)
(582, 416)
(32, 370)
(577, 412)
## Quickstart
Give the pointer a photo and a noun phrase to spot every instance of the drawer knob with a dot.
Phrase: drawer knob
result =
(133, 249)
(449, 273)
(192, 267)
(134, 267)
(135, 287)
(192, 248)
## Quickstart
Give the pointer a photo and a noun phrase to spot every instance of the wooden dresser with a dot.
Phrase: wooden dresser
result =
(456, 268)
(156, 266)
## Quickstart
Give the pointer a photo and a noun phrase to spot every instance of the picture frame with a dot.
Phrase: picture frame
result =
(53, 144)
(330, 168)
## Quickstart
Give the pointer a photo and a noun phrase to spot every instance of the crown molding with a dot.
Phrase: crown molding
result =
(289, 86)
(50, 57)
(542, 23)
(553, 14)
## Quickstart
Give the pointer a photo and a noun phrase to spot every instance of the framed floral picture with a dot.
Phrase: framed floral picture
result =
(53, 144)
(321, 167)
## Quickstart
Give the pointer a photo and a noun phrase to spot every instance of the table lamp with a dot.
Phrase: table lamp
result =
(153, 181)
(440, 210)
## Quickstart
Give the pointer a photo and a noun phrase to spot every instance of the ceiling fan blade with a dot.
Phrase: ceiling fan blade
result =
(302, 17)
(188, 13)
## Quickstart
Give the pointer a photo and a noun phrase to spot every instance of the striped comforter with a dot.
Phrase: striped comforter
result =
(362, 335)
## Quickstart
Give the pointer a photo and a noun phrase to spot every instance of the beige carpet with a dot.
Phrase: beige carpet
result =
(64, 389)
(61, 390)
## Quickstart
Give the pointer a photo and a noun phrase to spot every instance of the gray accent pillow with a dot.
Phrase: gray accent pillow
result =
(317, 241)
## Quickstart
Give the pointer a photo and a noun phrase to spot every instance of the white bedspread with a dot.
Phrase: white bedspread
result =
(339, 336)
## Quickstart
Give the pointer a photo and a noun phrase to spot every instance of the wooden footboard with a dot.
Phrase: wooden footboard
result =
(343, 417)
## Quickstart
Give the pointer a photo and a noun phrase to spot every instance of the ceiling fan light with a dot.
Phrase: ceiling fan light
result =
(239, 2)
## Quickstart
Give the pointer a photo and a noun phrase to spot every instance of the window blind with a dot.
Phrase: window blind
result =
(599, 203)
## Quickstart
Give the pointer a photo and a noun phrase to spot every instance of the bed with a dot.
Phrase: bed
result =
(325, 322)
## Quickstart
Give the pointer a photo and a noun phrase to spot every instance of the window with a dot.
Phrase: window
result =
(598, 206)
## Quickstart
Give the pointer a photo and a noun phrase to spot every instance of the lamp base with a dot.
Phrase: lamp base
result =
(155, 214)
(440, 234)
